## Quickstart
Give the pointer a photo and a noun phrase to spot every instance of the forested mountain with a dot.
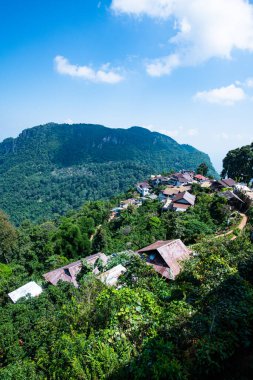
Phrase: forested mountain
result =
(52, 168)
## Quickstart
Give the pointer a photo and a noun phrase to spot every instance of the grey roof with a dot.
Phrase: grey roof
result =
(186, 196)
(230, 195)
(31, 288)
(112, 275)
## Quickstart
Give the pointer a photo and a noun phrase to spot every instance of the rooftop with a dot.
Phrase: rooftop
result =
(30, 289)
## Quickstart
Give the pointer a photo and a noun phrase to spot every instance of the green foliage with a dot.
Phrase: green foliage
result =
(238, 163)
(199, 326)
(202, 169)
(70, 242)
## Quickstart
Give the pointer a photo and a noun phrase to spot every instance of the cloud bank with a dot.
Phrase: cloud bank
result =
(204, 29)
(103, 75)
(227, 96)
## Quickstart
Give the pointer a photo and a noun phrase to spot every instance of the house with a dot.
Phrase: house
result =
(112, 275)
(166, 257)
(182, 201)
(143, 188)
(244, 189)
(200, 178)
(30, 289)
(126, 203)
(179, 179)
(191, 173)
(155, 180)
(171, 191)
(233, 199)
(69, 272)
(223, 184)
(164, 180)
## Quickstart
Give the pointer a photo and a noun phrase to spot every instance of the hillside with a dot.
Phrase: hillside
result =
(52, 168)
(197, 326)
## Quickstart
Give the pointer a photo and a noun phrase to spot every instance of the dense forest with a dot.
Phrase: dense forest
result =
(53, 168)
(197, 327)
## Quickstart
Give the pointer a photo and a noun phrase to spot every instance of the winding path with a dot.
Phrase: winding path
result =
(240, 227)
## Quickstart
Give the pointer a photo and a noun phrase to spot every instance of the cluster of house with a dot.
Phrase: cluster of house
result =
(233, 192)
(68, 273)
(176, 195)
(165, 257)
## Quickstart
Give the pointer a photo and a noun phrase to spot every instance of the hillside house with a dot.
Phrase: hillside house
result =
(128, 202)
(179, 179)
(182, 201)
(200, 178)
(31, 289)
(191, 173)
(223, 184)
(143, 188)
(157, 180)
(171, 191)
(166, 257)
(69, 272)
(233, 200)
(244, 189)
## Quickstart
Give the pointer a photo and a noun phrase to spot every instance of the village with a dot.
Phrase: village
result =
(174, 193)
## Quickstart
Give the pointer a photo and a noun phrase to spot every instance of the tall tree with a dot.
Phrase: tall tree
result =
(238, 163)
(202, 169)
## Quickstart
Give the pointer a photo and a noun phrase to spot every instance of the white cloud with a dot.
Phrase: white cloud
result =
(249, 82)
(103, 75)
(163, 66)
(203, 29)
(153, 8)
(225, 95)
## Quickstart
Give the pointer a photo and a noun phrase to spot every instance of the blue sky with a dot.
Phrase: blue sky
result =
(180, 67)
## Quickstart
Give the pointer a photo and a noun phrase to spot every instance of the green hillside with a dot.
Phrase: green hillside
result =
(52, 168)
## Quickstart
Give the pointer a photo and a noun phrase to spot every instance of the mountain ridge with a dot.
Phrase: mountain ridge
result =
(52, 168)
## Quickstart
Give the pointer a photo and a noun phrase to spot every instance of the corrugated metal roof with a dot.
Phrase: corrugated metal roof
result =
(180, 205)
(31, 288)
(111, 276)
(69, 272)
(172, 252)
(186, 196)
(154, 246)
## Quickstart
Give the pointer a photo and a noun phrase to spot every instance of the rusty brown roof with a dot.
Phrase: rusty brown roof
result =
(228, 182)
(154, 246)
(69, 272)
(173, 252)
(180, 205)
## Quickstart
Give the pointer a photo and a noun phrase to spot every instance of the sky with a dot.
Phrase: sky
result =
(180, 67)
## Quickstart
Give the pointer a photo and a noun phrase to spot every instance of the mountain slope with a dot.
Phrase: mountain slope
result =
(50, 169)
